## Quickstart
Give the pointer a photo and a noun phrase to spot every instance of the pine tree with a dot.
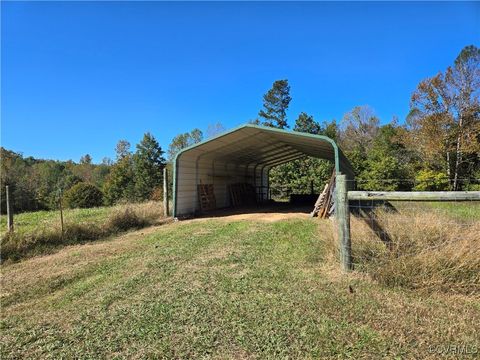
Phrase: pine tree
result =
(148, 164)
(306, 123)
(86, 159)
(275, 105)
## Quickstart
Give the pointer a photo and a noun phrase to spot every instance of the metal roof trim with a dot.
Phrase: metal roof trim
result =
(335, 147)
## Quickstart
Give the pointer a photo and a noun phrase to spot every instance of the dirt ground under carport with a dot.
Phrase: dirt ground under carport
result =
(269, 213)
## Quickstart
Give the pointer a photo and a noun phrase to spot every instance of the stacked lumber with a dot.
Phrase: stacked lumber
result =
(325, 202)
(206, 197)
(242, 194)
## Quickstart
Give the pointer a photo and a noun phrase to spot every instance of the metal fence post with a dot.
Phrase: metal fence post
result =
(165, 192)
(343, 222)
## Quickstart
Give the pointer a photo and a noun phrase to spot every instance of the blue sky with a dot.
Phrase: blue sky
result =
(78, 76)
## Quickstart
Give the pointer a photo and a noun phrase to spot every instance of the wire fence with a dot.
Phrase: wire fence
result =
(439, 240)
(433, 183)
(283, 192)
(36, 223)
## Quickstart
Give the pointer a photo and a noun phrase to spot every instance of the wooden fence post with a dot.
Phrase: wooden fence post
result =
(343, 222)
(165, 191)
(9, 210)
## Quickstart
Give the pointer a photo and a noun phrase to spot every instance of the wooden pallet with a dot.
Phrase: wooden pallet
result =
(242, 194)
(206, 197)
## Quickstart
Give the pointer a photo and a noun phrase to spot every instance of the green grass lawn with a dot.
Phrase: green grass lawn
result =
(31, 221)
(456, 210)
(462, 210)
(40, 232)
(218, 289)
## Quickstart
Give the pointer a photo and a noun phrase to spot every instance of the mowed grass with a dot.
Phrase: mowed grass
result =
(218, 289)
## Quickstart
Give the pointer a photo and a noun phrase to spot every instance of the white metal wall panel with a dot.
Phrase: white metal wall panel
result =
(244, 155)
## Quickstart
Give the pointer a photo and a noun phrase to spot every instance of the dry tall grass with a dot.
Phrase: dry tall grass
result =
(17, 245)
(429, 250)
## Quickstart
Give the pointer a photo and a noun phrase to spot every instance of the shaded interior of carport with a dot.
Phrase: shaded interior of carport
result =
(244, 155)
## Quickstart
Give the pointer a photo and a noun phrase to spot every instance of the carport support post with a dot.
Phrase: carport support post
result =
(343, 222)
(165, 192)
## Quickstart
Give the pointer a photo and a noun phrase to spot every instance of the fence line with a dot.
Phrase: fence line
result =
(415, 195)
(363, 205)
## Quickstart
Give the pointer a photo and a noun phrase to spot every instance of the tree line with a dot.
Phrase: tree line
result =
(436, 148)
(37, 184)
(133, 176)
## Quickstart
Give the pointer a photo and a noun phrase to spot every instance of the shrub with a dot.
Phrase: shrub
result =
(83, 195)
(16, 246)
(429, 180)
(157, 194)
(125, 219)
(472, 187)
(474, 183)
(381, 174)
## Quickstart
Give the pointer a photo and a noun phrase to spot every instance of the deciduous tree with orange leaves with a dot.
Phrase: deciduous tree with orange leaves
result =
(444, 120)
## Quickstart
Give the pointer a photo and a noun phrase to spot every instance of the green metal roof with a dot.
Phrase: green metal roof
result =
(254, 145)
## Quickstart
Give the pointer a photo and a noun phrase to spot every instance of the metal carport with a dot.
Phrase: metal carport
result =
(244, 154)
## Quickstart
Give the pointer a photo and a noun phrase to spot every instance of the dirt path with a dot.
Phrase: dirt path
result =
(271, 213)
(258, 216)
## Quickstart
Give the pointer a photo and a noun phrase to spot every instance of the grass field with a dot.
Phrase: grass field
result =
(39, 232)
(222, 289)
(461, 209)
(30, 222)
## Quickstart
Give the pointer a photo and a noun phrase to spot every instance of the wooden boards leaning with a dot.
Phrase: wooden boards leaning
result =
(325, 200)
(206, 197)
(242, 194)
